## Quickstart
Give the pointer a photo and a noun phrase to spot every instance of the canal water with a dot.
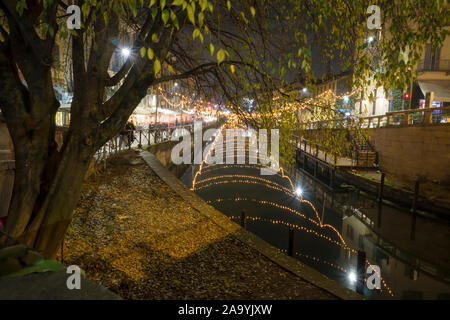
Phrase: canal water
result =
(330, 227)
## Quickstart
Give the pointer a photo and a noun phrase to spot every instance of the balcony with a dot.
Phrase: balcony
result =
(426, 66)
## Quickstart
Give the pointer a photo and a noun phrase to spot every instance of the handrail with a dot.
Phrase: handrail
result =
(427, 116)
(416, 110)
(141, 137)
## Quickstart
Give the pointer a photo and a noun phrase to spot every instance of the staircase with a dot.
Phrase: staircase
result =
(366, 156)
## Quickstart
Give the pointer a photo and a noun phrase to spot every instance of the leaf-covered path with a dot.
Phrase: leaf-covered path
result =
(134, 235)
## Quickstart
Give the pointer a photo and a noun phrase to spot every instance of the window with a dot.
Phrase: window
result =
(432, 58)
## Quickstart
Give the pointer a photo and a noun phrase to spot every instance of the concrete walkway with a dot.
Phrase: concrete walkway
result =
(51, 286)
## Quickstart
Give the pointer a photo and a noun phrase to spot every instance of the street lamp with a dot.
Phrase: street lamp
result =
(345, 99)
(352, 277)
(125, 52)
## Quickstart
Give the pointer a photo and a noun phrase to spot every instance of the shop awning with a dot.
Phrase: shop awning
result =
(441, 89)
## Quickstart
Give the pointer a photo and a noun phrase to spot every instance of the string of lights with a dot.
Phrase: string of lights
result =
(238, 181)
(247, 177)
(296, 212)
(296, 227)
(302, 255)
(236, 178)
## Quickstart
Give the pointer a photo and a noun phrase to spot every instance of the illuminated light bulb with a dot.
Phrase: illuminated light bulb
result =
(370, 39)
(125, 52)
(299, 192)
(352, 276)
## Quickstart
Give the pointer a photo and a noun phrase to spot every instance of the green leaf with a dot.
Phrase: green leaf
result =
(163, 4)
(142, 51)
(150, 53)
(200, 19)
(157, 66)
(203, 4)
(174, 19)
(252, 10)
(165, 16)
(196, 33)
(154, 13)
(190, 12)
(85, 9)
(44, 28)
(154, 37)
(133, 8)
(232, 68)
(42, 266)
(21, 5)
(220, 56)
(211, 49)
(228, 5)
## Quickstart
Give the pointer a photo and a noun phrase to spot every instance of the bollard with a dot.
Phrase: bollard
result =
(331, 176)
(140, 139)
(316, 165)
(360, 271)
(291, 243)
(380, 190)
(323, 206)
(414, 210)
(244, 219)
(380, 207)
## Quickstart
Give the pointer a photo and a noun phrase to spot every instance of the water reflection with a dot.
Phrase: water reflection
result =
(331, 227)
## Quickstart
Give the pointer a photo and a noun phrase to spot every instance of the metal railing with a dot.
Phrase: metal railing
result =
(442, 65)
(141, 137)
(429, 116)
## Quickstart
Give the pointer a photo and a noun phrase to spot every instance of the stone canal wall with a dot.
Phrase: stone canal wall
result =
(163, 151)
(415, 152)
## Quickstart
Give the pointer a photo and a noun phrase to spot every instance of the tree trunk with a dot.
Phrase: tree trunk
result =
(46, 190)
(55, 215)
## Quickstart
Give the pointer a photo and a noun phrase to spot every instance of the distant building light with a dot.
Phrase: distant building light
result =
(305, 90)
(370, 39)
